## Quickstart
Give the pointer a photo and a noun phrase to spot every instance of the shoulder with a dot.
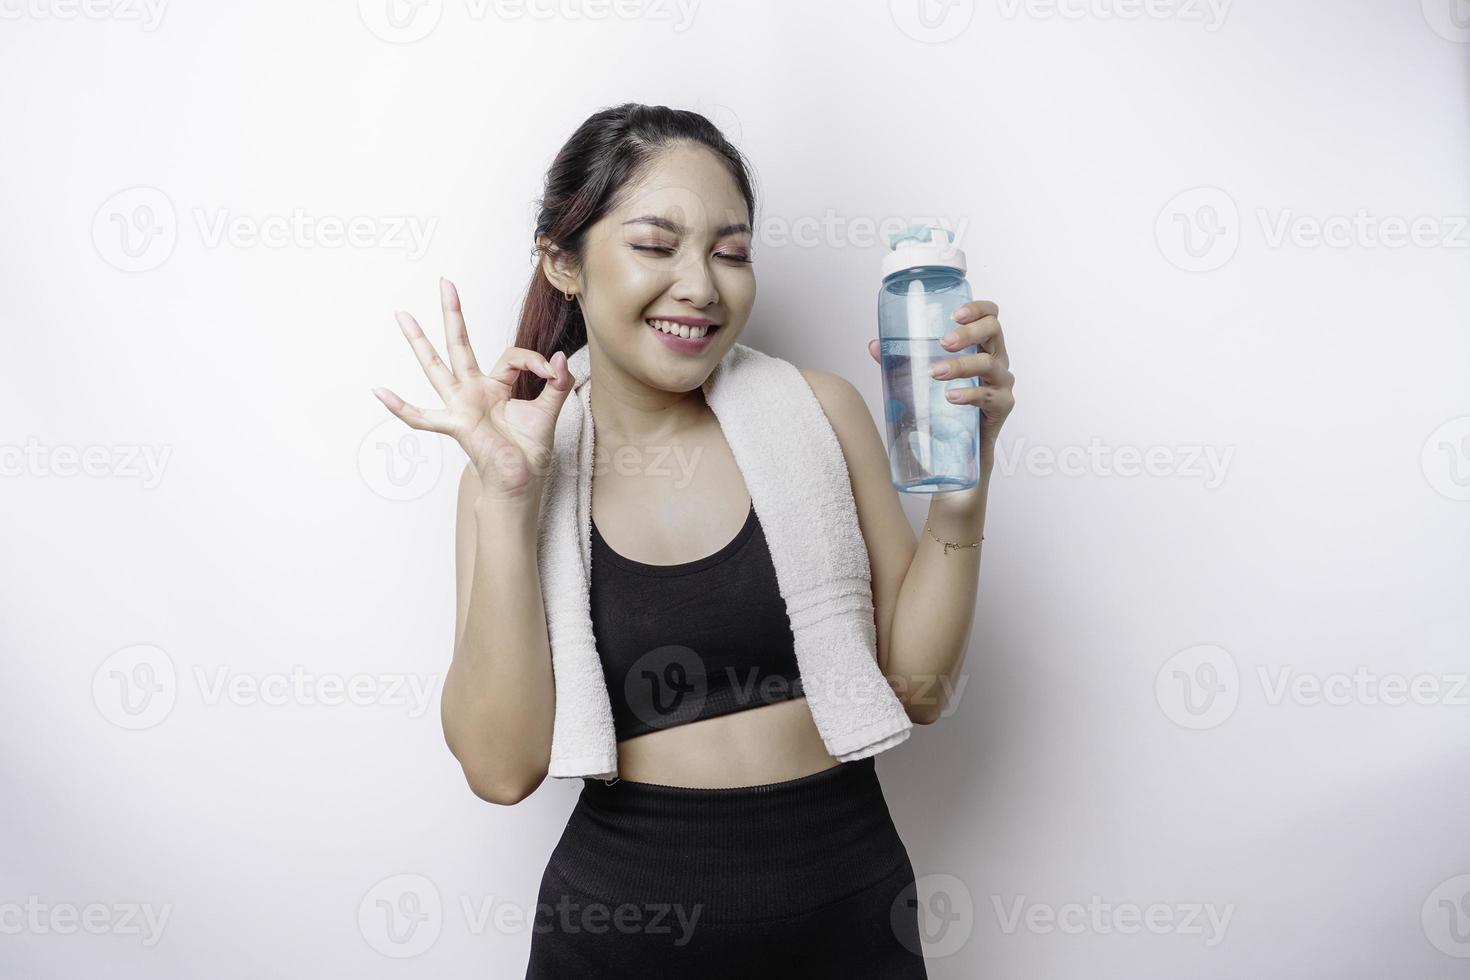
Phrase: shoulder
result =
(842, 402)
(857, 432)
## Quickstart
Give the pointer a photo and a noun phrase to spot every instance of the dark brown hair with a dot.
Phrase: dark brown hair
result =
(608, 152)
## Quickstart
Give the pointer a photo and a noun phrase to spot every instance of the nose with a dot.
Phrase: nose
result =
(695, 285)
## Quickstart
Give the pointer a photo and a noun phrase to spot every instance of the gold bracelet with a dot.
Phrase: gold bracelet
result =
(950, 544)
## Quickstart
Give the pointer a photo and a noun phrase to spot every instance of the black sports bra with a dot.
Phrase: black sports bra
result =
(680, 643)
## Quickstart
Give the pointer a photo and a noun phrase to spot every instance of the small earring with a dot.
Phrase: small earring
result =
(569, 296)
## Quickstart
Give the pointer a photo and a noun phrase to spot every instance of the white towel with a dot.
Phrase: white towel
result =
(799, 485)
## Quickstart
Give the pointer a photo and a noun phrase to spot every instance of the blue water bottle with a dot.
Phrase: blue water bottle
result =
(933, 443)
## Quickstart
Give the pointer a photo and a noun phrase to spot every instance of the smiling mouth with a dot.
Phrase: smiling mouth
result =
(682, 329)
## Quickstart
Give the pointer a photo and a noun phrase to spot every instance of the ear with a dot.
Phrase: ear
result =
(556, 265)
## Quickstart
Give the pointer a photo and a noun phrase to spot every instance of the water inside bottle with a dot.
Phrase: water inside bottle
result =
(931, 439)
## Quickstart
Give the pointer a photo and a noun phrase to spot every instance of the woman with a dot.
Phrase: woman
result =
(731, 843)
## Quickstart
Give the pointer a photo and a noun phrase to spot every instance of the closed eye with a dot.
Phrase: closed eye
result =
(666, 250)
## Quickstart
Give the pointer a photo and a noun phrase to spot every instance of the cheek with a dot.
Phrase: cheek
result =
(736, 287)
(627, 286)
(638, 286)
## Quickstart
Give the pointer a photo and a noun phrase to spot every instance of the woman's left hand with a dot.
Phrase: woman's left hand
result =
(978, 325)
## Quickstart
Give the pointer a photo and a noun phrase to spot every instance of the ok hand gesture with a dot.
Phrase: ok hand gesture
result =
(508, 440)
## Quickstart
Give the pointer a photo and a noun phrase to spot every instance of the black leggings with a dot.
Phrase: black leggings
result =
(806, 877)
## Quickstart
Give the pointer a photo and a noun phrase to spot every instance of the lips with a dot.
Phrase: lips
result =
(678, 322)
(682, 345)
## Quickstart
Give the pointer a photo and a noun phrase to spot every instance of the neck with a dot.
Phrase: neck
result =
(626, 411)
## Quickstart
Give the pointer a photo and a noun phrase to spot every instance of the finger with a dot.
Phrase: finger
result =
(517, 359)
(995, 402)
(984, 332)
(555, 391)
(974, 310)
(456, 337)
(439, 375)
(411, 414)
(873, 350)
(982, 365)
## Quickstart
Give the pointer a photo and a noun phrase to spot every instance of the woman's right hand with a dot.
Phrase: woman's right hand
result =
(508, 440)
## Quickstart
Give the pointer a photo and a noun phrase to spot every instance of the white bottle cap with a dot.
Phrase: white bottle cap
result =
(922, 245)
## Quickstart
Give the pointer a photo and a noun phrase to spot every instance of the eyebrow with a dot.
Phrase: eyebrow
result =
(737, 228)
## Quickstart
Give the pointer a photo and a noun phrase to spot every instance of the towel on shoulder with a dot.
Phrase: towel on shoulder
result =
(799, 485)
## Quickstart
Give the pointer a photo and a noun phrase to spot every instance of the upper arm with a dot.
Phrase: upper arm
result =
(886, 531)
(465, 527)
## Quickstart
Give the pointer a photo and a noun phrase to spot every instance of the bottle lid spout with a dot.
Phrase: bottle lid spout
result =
(922, 245)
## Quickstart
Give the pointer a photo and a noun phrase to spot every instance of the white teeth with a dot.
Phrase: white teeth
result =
(679, 329)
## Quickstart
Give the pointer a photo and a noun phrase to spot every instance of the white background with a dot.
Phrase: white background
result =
(282, 529)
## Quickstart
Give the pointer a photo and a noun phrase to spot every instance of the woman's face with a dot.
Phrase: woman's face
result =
(678, 246)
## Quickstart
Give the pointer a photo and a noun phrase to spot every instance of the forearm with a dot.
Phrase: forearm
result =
(935, 607)
(498, 694)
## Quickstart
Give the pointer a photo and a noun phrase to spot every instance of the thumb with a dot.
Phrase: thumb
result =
(873, 350)
(555, 391)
